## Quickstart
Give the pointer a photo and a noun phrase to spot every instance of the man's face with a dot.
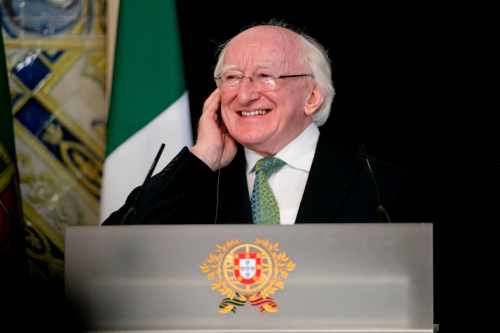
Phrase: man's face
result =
(261, 119)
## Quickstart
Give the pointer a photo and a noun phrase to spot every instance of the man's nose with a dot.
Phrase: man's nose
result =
(248, 90)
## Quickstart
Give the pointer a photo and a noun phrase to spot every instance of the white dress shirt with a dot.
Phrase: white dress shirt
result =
(289, 182)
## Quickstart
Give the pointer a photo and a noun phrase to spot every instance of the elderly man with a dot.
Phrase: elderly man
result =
(259, 156)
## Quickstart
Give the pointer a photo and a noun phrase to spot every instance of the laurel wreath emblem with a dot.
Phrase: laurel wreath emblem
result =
(277, 267)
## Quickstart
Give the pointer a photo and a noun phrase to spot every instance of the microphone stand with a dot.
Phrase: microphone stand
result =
(131, 211)
(381, 211)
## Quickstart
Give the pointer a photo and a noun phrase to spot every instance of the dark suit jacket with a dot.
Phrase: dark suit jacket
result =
(339, 189)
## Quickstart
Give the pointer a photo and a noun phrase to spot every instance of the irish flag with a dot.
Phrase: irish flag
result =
(149, 103)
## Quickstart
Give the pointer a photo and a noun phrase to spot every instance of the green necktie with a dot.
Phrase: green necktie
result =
(264, 206)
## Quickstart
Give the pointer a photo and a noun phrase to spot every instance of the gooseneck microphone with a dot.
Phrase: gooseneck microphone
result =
(217, 186)
(366, 161)
(155, 162)
(130, 214)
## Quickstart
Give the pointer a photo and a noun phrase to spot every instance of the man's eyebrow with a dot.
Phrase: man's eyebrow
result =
(229, 68)
(234, 67)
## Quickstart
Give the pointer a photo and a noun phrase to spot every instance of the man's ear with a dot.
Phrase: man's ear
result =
(313, 101)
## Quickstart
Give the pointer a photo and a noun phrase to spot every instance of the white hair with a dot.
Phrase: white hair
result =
(316, 57)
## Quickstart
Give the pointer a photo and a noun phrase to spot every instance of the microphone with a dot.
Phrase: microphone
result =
(380, 208)
(217, 189)
(130, 214)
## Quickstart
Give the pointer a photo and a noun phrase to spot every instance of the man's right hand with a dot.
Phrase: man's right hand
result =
(214, 145)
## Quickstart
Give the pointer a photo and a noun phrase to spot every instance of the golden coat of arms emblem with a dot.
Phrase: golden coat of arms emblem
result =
(247, 273)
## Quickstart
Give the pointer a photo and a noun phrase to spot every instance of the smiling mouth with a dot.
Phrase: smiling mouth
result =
(260, 112)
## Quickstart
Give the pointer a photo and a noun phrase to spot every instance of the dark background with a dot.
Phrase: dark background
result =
(399, 73)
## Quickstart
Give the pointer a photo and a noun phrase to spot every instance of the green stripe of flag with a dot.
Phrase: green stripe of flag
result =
(148, 74)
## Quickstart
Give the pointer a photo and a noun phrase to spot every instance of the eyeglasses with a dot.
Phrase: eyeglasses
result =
(262, 81)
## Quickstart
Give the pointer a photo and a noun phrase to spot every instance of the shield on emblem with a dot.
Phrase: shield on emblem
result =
(247, 267)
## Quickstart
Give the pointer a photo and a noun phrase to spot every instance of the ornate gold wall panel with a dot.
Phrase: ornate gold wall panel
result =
(56, 58)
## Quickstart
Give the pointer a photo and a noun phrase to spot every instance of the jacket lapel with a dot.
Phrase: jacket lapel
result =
(234, 201)
(334, 169)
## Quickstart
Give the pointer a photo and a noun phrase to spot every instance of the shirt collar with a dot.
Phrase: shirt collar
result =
(298, 154)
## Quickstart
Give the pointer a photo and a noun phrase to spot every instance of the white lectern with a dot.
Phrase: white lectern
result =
(343, 278)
